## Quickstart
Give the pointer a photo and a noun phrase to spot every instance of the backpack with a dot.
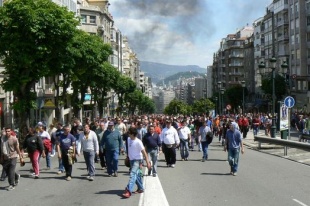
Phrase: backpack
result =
(209, 137)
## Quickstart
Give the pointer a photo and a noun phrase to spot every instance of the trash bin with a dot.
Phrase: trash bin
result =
(284, 134)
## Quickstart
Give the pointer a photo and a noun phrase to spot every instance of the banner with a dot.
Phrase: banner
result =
(284, 118)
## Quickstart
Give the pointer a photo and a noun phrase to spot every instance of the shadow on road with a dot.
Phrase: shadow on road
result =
(219, 174)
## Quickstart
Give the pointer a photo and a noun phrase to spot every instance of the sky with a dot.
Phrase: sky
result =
(182, 32)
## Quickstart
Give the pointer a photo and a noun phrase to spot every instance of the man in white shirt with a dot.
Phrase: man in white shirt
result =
(170, 139)
(184, 135)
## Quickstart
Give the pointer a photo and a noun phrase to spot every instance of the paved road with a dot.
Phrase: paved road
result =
(263, 179)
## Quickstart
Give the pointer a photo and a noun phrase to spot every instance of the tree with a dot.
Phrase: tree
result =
(133, 99)
(33, 34)
(203, 106)
(234, 95)
(90, 54)
(176, 107)
(280, 86)
(104, 83)
(124, 85)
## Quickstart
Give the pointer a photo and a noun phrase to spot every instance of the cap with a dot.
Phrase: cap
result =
(111, 123)
(40, 124)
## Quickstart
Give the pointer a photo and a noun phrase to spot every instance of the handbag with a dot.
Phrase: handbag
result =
(127, 162)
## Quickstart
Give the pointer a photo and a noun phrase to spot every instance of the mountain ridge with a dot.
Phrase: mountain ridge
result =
(159, 71)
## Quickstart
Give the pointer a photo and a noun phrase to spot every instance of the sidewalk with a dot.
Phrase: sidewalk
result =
(249, 141)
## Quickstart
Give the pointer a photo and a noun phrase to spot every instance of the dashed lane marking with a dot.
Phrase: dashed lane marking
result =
(299, 202)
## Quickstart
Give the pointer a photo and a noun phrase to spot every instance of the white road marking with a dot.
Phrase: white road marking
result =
(153, 192)
(299, 202)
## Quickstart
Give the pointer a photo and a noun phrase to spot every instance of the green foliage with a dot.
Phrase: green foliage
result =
(202, 106)
(280, 86)
(177, 107)
(124, 85)
(234, 96)
(33, 35)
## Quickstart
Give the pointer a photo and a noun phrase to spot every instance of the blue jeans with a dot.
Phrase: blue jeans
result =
(152, 153)
(184, 149)
(205, 146)
(111, 157)
(135, 175)
(233, 159)
(89, 158)
(255, 130)
(48, 158)
(60, 165)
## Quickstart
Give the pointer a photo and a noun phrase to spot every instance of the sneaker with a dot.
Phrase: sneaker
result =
(48, 168)
(203, 159)
(32, 174)
(115, 174)
(60, 172)
(186, 159)
(36, 177)
(126, 194)
(10, 188)
(68, 178)
(173, 166)
(182, 159)
(17, 179)
(91, 178)
(138, 191)
(235, 174)
(110, 175)
(154, 174)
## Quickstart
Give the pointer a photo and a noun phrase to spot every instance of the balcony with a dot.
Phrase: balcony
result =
(282, 22)
(236, 64)
(283, 37)
(235, 74)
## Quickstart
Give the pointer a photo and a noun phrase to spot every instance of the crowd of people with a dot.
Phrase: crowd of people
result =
(141, 138)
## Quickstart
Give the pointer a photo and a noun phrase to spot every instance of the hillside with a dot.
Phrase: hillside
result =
(158, 71)
(173, 79)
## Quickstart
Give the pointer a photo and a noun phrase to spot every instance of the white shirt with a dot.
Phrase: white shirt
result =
(134, 149)
(44, 134)
(91, 143)
(169, 136)
(184, 132)
(203, 132)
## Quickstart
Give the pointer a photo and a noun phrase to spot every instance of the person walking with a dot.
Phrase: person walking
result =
(136, 152)
(66, 150)
(203, 130)
(90, 147)
(99, 133)
(112, 142)
(185, 136)
(34, 145)
(170, 139)
(57, 134)
(10, 153)
(152, 142)
(233, 146)
(46, 139)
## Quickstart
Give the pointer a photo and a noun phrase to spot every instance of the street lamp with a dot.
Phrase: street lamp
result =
(243, 86)
(219, 89)
(215, 106)
(284, 66)
(222, 100)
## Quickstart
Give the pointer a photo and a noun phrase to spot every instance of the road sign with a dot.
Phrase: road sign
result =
(289, 102)
(228, 107)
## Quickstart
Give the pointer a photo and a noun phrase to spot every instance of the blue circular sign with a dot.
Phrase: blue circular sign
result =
(289, 102)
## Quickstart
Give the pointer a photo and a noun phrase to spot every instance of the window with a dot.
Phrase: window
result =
(308, 20)
(92, 19)
(83, 19)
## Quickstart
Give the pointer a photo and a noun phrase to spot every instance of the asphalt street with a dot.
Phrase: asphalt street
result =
(262, 179)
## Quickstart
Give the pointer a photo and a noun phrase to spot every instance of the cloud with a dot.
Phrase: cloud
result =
(181, 31)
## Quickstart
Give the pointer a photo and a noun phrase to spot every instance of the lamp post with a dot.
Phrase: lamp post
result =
(222, 100)
(243, 86)
(284, 66)
(215, 106)
(219, 91)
